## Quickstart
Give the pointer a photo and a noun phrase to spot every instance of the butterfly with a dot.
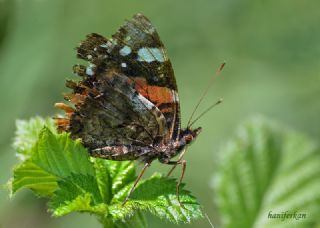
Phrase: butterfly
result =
(126, 105)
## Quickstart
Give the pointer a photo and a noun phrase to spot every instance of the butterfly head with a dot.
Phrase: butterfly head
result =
(189, 134)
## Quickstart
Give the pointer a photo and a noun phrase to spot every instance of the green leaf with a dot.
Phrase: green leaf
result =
(60, 155)
(158, 195)
(136, 221)
(122, 174)
(103, 179)
(77, 192)
(28, 175)
(112, 176)
(27, 134)
(267, 170)
(52, 157)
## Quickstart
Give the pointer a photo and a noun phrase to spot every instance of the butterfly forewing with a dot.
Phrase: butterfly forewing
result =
(141, 55)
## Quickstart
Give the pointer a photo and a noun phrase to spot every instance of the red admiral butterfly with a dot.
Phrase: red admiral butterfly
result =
(126, 106)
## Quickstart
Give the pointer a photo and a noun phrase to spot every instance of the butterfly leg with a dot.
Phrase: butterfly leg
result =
(179, 159)
(183, 163)
(146, 165)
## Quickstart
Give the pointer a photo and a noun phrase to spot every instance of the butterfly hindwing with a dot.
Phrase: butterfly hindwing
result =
(113, 113)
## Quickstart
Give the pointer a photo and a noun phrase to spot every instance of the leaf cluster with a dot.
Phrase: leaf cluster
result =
(59, 168)
(268, 176)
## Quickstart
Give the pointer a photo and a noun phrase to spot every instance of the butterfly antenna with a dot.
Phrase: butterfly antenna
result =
(205, 111)
(207, 217)
(206, 91)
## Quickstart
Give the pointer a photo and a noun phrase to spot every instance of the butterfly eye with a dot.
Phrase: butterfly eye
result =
(188, 138)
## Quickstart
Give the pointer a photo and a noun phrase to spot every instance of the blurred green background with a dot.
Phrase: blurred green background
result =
(272, 50)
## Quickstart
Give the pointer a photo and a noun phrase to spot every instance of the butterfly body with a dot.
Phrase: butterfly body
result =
(163, 152)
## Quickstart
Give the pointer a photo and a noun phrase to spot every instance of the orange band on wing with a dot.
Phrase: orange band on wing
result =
(156, 94)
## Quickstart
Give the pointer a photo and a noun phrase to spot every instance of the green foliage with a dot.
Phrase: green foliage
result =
(59, 168)
(27, 134)
(157, 195)
(267, 170)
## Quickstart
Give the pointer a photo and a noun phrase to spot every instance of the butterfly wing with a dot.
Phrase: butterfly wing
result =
(127, 96)
(111, 112)
(137, 52)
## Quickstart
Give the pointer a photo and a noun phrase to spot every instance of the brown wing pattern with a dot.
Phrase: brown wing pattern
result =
(137, 51)
(128, 94)
(110, 112)
(156, 81)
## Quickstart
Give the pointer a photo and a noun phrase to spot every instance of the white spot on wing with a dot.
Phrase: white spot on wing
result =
(89, 70)
(126, 50)
(123, 64)
(151, 54)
